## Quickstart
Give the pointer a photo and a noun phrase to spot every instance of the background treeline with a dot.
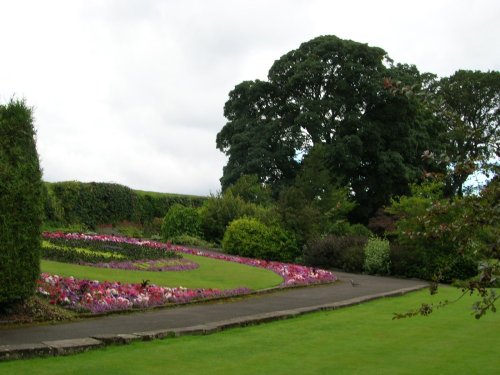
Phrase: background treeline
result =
(95, 203)
(365, 163)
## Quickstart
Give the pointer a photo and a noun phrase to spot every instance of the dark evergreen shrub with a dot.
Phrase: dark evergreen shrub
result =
(20, 203)
(344, 252)
(407, 261)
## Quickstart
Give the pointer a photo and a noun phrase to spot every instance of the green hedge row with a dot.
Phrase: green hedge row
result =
(97, 203)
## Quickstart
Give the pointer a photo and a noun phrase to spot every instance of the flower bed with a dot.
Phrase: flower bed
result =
(155, 265)
(292, 274)
(99, 297)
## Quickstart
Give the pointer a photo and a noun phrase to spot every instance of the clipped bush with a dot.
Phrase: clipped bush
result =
(246, 237)
(249, 237)
(376, 253)
(20, 203)
(342, 252)
(181, 220)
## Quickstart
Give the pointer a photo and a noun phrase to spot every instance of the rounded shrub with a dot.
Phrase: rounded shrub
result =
(181, 220)
(249, 237)
(343, 252)
(20, 203)
(377, 256)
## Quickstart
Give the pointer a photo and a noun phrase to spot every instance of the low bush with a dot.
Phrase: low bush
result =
(353, 258)
(153, 227)
(187, 240)
(129, 229)
(343, 252)
(414, 262)
(181, 220)
(249, 237)
(406, 261)
(377, 256)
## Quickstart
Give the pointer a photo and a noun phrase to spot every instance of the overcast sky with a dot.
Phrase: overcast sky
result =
(132, 91)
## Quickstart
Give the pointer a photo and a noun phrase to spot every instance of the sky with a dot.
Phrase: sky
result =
(133, 91)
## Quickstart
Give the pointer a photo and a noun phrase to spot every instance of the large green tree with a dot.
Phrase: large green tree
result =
(468, 103)
(329, 94)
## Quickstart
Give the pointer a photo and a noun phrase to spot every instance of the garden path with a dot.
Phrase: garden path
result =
(351, 289)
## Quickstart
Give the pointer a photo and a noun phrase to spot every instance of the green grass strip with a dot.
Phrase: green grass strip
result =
(212, 273)
(356, 340)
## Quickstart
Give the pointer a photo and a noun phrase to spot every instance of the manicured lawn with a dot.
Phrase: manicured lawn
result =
(356, 340)
(212, 273)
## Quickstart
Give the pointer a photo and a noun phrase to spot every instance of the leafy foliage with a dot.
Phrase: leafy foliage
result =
(92, 204)
(343, 252)
(248, 188)
(188, 240)
(327, 100)
(250, 238)
(221, 209)
(377, 256)
(439, 229)
(181, 220)
(20, 203)
(468, 102)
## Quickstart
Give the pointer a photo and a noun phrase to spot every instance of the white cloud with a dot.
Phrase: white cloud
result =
(132, 91)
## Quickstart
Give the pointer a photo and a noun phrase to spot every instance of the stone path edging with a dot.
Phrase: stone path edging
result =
(71, 346)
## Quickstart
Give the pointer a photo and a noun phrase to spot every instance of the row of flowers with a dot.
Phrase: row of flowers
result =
(292, 274)
(99, 297)
(157, 265)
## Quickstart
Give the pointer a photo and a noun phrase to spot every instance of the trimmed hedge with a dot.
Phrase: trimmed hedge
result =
(95, 203)
(20, 203)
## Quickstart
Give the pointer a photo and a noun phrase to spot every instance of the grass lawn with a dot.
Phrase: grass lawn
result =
(173, 195)
(357, 340)
(212, 273)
